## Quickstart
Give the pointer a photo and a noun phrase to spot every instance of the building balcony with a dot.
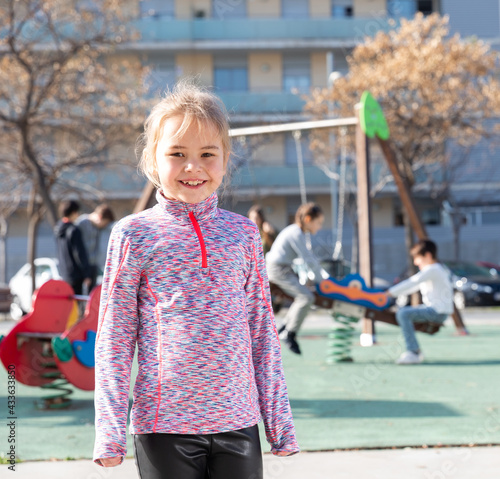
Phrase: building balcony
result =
(250, 179)
(173, 33)
(279, 103)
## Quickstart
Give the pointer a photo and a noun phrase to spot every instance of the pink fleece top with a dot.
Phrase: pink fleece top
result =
(187, 283)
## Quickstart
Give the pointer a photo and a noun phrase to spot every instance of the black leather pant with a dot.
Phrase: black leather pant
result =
(227, 455)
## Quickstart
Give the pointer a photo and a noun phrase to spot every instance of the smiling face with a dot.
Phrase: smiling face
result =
(191, 165)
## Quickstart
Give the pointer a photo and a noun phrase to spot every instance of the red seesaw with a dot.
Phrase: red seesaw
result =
(50, 347)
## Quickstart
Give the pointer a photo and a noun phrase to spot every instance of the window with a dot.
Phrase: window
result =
(224, 9)
(295, 8)
(342, 8)
(291, 150)
(296, 73)
(230, 73)
(431, 216)
(490, 217)
(162, 75)
(292, 205)
(425, 6)
(408, 8)
(157, 8)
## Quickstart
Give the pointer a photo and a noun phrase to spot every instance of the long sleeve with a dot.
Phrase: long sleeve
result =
(266, 352)
(115, 346)
(298, 243)
(291, 244)
(434, 283)
(410, 285)
(90, 236)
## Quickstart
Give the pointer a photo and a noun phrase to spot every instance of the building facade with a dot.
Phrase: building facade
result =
(259, 56)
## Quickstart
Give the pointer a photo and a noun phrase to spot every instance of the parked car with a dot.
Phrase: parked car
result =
(473, 285)
(493, 267)
(20, 284)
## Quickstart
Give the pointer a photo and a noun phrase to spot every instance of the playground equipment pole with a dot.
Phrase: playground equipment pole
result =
(333, 76)
(372, 124)
(364, 223)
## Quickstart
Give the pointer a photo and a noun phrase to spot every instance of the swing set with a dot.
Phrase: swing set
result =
(352, 298)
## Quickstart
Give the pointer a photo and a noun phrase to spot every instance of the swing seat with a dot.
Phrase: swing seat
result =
(389, 317)
(427, 327)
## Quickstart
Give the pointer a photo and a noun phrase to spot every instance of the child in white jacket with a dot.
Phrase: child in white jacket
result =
(434, 283)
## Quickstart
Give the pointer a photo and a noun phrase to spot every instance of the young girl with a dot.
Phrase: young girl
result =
(187, 282)
(289, 245)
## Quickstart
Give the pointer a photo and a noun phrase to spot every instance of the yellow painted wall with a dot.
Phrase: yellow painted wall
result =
(265, 71)
(264, 8)
(369, 8)
(130, 7)
(318, 69)
(325, 203)
(270, 153)
(319, 8)
(382, 213)
(197, 64)
(275, 210)
(185, 9)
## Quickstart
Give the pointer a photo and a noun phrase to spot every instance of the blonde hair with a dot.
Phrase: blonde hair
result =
(197, 105)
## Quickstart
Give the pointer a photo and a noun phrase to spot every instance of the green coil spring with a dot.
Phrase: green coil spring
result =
(340, 339)
(59, 400)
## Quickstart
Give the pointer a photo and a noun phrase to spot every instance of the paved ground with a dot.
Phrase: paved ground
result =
(442, 463)
(452, 399)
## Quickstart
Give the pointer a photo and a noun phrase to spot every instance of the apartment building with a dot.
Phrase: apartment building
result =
(259, 56)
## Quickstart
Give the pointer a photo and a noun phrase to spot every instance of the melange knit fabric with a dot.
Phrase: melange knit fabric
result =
(188, 284)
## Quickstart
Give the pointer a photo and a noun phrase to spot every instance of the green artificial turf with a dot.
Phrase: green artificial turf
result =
(453, 398)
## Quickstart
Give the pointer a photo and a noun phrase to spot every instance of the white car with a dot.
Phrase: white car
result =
(20, 284)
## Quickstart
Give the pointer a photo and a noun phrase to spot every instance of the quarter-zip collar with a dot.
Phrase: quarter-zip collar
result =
(204, 210)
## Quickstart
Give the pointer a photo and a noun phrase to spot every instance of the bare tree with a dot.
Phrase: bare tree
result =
(432, 88)
(69, 96)
(9, 201)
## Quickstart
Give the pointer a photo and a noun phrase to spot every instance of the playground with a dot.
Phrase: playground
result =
(346, 392)
(452, 399)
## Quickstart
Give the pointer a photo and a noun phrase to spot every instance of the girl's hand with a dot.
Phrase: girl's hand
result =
(284, 453)
(111, 461)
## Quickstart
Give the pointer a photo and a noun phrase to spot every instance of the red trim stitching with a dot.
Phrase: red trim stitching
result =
(204, 262)
(127, 247)
(269, 307)
(160, 356)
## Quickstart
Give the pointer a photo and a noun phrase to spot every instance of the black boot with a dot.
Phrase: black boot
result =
(292, 344)
(281, 330)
